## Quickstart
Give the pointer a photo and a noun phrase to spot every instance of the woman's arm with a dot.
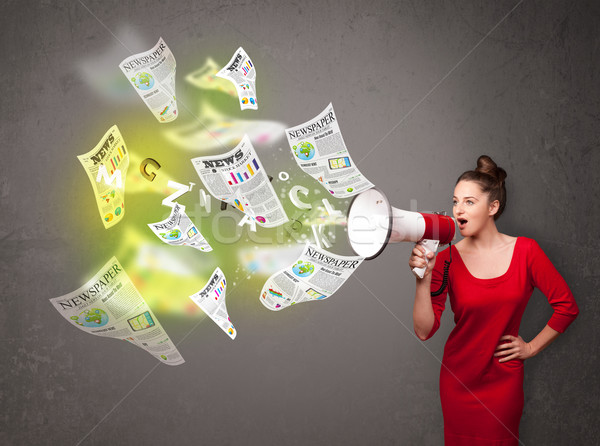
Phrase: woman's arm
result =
(517, 348)
(423, 315)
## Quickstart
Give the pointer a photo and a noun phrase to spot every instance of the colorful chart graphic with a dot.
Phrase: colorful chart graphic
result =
(165, 110)
(303, 269)
(245, 86)
(315, 294)
(252, 101)
(247, 67)
(108, 217)
(238, 205)
(118, 211)
(245, 174)
(339, 163)
(192, 232)
(94, 317)
(260, 219)
(141, 321)
(230, 331)
(143, 81)
(304, 151)
(108, 196)
(175, 234)
(116, 160)
(274, 293)
(219, 290)
(244, 101)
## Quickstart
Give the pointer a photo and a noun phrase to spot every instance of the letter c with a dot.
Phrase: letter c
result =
(152, 162)
(293, 194)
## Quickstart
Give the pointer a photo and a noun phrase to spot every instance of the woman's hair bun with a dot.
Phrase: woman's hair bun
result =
(490, 178)
(487, 166)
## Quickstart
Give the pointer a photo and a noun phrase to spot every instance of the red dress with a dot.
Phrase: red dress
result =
(482, 399)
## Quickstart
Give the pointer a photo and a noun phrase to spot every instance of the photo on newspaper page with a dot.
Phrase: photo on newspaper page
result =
(320, 151)
(316, 275)
(178, 230)
(241, 72)
(152, 75)
(109, 305)
(238, 178)
(211, 299)
(106, 167)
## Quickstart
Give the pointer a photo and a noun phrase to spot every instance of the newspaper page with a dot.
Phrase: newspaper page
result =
(106, 166)
(320, 151)
(241, 72)
(152, 74)
(109, 305)
(238, 178)
(211, 299)
(316, 275)
(178, 230)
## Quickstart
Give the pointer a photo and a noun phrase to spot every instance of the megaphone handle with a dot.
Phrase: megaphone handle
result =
(430, 246)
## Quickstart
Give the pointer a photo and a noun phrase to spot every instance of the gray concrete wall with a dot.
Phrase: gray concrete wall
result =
(420, 89)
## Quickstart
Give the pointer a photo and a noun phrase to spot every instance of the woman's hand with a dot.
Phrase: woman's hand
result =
(418, 259)
(517, 348)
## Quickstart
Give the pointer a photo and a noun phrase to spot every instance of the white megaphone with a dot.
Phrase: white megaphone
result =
(373, 223)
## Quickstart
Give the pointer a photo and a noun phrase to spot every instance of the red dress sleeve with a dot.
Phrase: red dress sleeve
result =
(438, 302)
(548, 280)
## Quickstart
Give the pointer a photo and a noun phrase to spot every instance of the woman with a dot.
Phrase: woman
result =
(490, 281)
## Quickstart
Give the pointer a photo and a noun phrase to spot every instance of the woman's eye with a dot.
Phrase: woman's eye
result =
(469, 202)
(454, 203)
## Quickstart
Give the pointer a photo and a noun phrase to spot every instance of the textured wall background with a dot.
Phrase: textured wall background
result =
(428, 86)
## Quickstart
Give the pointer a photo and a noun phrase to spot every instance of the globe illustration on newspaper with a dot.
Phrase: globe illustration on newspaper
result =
(304, 151)
(94, 317)
(143, 81)
(303, 269)
(171, 235)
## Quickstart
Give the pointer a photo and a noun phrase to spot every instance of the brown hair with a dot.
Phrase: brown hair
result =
(490, 178)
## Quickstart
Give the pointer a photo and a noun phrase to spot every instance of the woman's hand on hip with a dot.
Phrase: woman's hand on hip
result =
(516, 348)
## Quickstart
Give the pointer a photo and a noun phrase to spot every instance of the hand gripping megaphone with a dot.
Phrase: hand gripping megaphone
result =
(373, 223)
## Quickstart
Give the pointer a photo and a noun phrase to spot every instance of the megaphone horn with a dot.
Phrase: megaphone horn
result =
(373, 223)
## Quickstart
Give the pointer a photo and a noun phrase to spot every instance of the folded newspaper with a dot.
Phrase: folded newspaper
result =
(109, 157)
(152, 74)
(320, 151)
(178, 230)
(238, 178)
(241, 72)
(109, 305)
(211, 299)
(316, 275)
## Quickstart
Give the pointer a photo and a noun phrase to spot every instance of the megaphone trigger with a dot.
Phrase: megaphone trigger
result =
(429, 246)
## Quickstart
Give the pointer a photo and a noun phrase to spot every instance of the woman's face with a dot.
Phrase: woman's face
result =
(471, 208)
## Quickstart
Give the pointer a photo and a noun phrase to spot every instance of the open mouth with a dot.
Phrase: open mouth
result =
(461, 222)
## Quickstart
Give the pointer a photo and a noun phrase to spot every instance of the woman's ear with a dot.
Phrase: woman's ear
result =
(494, 206)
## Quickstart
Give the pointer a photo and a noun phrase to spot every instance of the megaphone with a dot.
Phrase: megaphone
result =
(373, 223)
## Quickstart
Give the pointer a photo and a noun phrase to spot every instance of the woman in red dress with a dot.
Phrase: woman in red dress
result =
(490, 281)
